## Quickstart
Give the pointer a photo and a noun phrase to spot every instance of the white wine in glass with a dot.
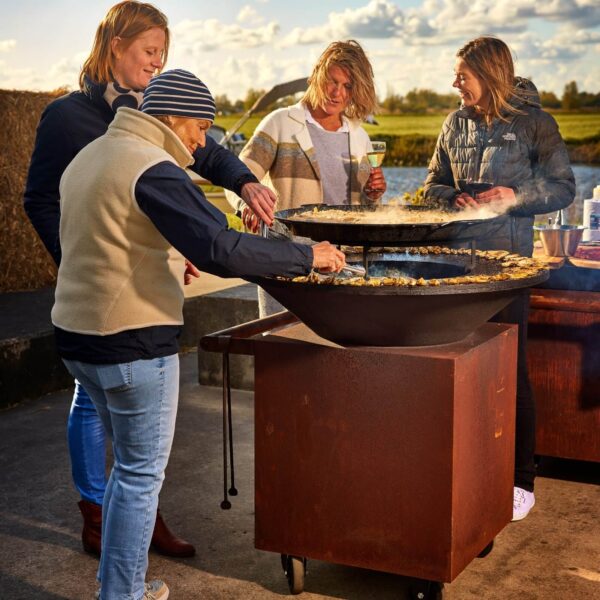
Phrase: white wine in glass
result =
(375, 157)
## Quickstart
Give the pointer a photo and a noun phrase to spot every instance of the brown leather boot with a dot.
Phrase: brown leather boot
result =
(91, 534)
(165, 542)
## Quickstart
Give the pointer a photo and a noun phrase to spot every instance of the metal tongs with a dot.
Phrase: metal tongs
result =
(264, 230)
(355, 270)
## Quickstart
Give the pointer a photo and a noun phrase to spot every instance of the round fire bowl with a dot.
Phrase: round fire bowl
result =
(400, 315)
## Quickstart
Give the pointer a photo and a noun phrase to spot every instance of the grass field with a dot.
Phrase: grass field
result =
(573, 127)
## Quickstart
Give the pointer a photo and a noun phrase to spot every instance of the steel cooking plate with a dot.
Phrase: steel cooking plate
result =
(338, 232)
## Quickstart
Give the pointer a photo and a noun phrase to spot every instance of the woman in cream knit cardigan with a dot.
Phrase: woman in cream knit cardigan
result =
(316, 151)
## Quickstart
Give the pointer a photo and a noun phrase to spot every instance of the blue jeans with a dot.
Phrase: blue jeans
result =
(87, 447)
(137, 403)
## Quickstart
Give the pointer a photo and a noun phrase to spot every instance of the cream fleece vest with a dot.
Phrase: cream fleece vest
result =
(117, 271)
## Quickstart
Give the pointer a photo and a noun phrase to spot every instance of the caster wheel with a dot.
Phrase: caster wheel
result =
(423, 589)
(295, 569)
(486, 550)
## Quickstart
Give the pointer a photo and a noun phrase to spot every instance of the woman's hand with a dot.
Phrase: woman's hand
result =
(501, 196)
(250, 220)
(190, 272)
(464, 200)
(376, 185)
(328, 258)
(261, 200)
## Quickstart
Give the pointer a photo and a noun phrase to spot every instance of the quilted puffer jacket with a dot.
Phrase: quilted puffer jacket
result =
(525, 153)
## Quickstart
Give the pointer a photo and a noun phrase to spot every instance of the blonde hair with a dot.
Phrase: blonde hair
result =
(351, 57)
(491, 61)
(125, 20)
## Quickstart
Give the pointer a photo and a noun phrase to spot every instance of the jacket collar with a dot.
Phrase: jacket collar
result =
(296, 113)
(141, 125)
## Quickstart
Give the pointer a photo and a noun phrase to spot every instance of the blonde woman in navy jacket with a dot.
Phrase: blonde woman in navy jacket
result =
(131, 44)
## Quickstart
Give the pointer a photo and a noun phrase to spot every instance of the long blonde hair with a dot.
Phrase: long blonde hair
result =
(349, 56)
(491, 61)
(126, 20)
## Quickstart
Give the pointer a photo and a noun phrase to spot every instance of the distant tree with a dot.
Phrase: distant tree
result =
(223, 104)
(588, 100)
(570, 98)
(423, 100)
(392, 103)
(252, 96)
(238, 106)
(549, 99)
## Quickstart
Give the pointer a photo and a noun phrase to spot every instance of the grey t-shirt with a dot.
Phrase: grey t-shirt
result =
(332, 150)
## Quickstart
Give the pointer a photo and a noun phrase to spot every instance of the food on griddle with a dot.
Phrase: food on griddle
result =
(513, 266)
(394, 215)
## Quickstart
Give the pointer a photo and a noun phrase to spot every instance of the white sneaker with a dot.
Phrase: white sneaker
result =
(523, 502)
(155, 590)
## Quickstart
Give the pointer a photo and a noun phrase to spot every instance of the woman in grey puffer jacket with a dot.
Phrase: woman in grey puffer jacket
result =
(501, 137)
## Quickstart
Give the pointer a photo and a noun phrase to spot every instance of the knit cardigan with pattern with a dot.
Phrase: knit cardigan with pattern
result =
(281, 154)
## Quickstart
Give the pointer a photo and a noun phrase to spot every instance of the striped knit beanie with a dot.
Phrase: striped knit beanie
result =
(178, 93)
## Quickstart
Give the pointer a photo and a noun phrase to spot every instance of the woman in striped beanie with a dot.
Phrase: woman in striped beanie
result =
(129, 216)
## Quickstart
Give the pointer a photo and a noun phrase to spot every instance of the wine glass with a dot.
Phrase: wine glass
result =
(375, 158)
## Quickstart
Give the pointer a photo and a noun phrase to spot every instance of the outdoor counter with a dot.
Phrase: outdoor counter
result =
(564, 360)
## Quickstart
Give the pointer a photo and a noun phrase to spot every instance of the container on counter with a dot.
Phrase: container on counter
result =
(591, 217)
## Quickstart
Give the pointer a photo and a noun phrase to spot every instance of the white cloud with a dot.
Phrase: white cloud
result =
(378, 19)
(235, 75)
(64, 73)
(211, 34)
(249, 15)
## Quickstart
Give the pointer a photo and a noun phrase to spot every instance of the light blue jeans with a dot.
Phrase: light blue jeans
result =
(87, 447)
(137, 403)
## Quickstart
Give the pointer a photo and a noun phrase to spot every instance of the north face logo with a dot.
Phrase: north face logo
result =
(509, 137)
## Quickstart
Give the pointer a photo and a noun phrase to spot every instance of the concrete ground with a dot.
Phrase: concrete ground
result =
(554, 554)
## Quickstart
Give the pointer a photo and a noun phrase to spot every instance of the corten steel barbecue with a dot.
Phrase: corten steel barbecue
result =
(396, 458)
(391, 459)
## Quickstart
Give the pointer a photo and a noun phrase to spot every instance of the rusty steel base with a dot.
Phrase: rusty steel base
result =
(393, 459)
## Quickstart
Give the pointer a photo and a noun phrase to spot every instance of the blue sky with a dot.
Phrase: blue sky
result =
(234, 45)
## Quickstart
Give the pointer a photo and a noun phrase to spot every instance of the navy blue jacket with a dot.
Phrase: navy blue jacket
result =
(69, 124)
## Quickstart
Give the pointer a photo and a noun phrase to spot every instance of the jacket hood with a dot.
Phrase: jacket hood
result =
(526, 93)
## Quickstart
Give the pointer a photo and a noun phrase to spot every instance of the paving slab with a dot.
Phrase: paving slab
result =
(552, 555)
